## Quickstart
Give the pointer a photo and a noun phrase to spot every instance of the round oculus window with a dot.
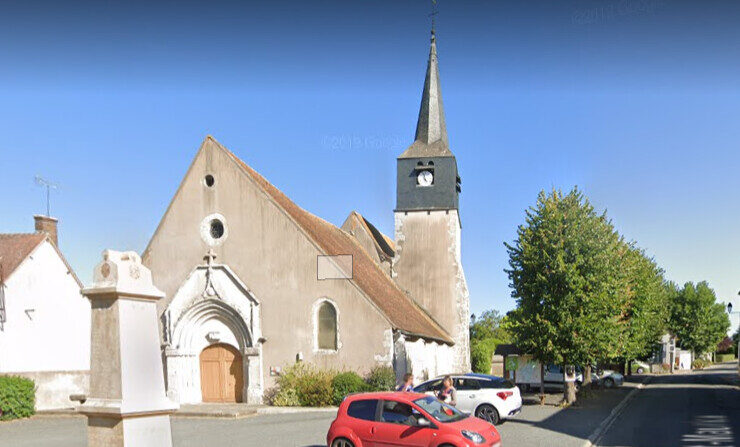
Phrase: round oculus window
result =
(209, 180)
(217, 229)
(213, 229)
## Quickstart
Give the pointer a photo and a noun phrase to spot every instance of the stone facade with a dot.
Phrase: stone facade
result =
(428, 264)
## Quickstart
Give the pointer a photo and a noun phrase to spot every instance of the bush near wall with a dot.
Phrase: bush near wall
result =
(303, 384)
(381, 378)
(700, 364)
(347, 383)
(17, 397)
(719, 358)
(481, 353)
(311, 385)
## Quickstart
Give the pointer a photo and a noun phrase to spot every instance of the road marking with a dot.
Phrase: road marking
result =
(712, 430)
(596, 436)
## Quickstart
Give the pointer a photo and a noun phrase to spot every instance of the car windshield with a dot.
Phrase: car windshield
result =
(439, 410)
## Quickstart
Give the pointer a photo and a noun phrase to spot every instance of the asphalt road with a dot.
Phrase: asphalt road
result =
(536, 426)
(681, 411)
(689, 410)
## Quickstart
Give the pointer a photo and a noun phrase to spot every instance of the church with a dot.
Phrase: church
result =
(254, 283)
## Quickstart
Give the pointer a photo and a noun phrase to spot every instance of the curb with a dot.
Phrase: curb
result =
(293, 410)
(613, 415)
(215, 415)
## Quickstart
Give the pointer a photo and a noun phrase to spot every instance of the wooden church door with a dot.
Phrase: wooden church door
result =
(221, 374)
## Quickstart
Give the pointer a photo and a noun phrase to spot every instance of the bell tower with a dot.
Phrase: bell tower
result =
(427, 221)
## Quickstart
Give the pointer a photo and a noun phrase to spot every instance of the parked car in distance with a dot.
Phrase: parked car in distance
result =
(640, 367)
(406, 419)
(490, 398)
(608, 378)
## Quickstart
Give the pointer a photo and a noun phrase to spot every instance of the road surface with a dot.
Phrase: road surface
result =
(687, 410)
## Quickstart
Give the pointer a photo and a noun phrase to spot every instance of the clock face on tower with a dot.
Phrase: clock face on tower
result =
(425, 178)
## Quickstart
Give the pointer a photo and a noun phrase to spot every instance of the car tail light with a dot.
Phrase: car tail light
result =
(504, 394)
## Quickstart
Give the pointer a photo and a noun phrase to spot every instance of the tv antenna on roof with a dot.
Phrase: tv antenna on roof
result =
(49, 186)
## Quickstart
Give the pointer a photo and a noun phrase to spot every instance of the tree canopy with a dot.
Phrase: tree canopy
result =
(487, 332)
(586, 296)
(648, 300)
(567, 275)
(697, 319)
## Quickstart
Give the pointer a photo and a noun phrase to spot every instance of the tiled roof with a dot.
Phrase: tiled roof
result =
(15, 248)
(400, 310)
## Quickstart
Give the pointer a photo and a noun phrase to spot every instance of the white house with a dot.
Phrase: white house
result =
(44, 319)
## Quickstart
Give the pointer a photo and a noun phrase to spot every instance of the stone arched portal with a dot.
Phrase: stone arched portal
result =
(213, 309)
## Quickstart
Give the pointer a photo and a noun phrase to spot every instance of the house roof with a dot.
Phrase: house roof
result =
(15, 248)
(398, 308)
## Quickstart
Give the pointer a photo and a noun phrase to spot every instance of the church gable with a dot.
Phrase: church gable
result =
(259, 232)
(379, 246)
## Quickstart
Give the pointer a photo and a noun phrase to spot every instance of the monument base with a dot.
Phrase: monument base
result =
(139, 431)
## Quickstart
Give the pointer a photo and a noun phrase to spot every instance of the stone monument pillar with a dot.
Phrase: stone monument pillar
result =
(127, 404)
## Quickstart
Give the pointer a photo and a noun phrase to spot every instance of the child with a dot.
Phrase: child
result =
(408, 383)
(448, 393)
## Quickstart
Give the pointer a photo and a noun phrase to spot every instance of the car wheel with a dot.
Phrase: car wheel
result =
(640, 370)
(488, 413)
(608, 382)
(342, 442)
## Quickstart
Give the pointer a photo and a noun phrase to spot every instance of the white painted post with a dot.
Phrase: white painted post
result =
(127, 405)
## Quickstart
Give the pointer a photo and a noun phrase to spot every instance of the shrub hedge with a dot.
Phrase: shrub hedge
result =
(381, 378)
(311, 385)
(347, 383)
(724, 357)
(700, 364)
(17, 397)
(481, 354)
(303, 384)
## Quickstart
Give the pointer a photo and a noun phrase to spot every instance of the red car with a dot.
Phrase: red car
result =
(406, 419)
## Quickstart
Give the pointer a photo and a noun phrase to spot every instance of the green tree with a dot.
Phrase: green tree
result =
(648, 305)
(697, 319)
(491, 324)
(487, 332)
(566, 274)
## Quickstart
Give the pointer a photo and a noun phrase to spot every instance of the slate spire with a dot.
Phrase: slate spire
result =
(431, 131)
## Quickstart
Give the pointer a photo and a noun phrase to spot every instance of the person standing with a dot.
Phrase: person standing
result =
(408, 383)
(448, 393)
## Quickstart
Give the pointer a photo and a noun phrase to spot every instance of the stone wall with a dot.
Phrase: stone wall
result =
(53, 388)
(424, 359)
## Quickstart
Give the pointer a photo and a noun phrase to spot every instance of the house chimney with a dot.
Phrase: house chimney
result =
(48, 225)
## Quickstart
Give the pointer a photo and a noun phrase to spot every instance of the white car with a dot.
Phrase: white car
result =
(608, 378)
(490, 398)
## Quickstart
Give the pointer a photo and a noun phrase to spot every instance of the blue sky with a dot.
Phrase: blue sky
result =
(637, 102)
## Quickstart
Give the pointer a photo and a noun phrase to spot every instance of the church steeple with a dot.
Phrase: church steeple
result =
(431, 131)
(431, 125)
(427, 170)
